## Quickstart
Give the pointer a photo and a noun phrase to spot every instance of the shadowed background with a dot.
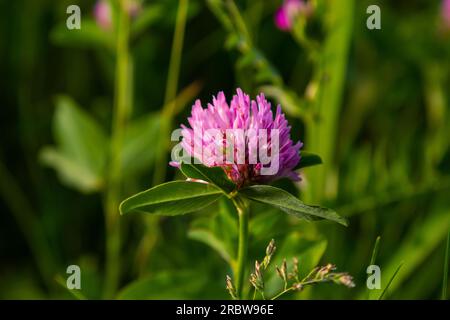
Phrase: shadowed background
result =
(372, 103)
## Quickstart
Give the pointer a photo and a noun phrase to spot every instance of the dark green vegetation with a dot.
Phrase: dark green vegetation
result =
(78, 137)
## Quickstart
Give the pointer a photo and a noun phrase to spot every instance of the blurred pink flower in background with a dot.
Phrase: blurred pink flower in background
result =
(286, 14)
(102, 14)
(445, 12)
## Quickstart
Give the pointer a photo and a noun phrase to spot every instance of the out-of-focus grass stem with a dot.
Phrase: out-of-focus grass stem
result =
(321, 134)
(167, 114)
(243, 212)
(122, 110)
(28, 223)
(374, 257)
(171, 90)
(445, 275)
(239, 21)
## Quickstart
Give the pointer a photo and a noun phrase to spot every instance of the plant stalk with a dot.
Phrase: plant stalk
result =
(167, 114)
(243, 212)
(171, 90)
(122, 110)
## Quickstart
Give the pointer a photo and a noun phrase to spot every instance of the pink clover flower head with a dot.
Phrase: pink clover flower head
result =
(244, 138)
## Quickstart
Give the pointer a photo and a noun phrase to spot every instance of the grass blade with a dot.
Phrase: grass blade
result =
(390, 281)
(375, 250)
(75, 293)
(373, 258)
(445, 277)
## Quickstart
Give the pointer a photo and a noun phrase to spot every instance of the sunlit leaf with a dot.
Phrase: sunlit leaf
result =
(172, 198)
(70, 172)
(82, 147)
(290, 204)
(89, 36)
(79, 136)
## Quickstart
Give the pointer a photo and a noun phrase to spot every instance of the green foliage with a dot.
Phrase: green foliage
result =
(309, 159)
(290, 204)
(180, 284)
(445, 275)
(172, 198)
(214, 175)
(373, 104)
(80, 157)
(89, 36)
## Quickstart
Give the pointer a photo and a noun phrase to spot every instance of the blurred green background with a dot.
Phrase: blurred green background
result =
(86, 118)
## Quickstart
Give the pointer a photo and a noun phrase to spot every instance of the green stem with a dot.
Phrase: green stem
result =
(239, 20)
(282, 293)
(122, 109)
(170, 105)
(243, 212)
(171, 90)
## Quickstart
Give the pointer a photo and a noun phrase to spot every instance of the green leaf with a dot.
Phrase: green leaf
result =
(214, 175)
(375, 250)
(89, 36)
(70, 172)
(290, 204)
(82, 147)
(390, 281)
(172, 198)
(79, 136)
(291, 102)
(308, 160)
(139, 147)
(173, 284)
(373, 259)
(208, 238)
(445, 276)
